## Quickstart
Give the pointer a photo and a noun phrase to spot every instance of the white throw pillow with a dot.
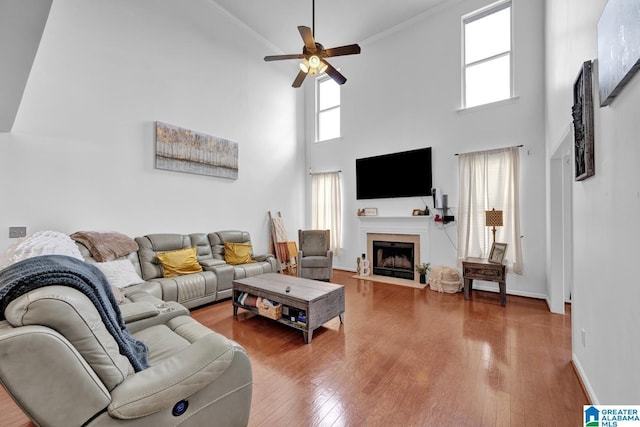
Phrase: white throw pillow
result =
(40, 243)
(119, 273)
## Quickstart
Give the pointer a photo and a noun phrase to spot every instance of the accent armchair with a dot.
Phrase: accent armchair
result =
(315, 258)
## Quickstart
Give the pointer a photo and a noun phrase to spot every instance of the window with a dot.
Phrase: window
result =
(489, 180)
(326, 209)
(327, 109)
(487, 73)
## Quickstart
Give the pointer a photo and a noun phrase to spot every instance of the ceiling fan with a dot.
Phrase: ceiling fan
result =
(314, 54)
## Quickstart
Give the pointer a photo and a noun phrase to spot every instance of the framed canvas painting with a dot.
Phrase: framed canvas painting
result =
(184, 150)
(618, 47)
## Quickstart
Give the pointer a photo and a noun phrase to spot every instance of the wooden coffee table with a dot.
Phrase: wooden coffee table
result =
(321, 301)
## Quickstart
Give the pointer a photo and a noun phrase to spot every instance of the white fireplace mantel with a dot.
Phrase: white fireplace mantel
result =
(410, 225)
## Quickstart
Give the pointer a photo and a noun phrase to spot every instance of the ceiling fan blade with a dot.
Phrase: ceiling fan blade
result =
(334, 74)
(307, 37)
(352, 49)
(299, 79)
(281, 57)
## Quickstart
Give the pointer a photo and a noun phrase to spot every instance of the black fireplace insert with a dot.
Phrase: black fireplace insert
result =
(393, 259)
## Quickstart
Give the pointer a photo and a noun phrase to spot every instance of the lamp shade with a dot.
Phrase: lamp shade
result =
(493, 218)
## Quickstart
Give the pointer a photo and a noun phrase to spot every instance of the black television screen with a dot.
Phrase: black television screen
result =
(404, 174)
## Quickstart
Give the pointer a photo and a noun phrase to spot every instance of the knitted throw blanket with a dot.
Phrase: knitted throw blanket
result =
(106, 246)
(48, 270)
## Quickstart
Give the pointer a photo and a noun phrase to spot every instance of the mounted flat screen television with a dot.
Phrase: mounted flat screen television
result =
(403, 174)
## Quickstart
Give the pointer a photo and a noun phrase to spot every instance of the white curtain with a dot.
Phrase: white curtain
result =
(489, 180)
(326, 206)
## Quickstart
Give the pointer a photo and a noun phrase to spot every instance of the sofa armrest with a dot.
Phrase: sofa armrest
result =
(134, 311)
(261, 258)
(47, 377)
(149, 288)
(173, 379)
(166, 311)
(208, 264)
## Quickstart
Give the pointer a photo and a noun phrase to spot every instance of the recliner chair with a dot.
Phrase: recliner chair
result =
(63, 368)
(315, 258)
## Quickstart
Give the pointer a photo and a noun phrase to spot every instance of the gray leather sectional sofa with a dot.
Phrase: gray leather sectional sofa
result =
(195, 289)
(61, 364)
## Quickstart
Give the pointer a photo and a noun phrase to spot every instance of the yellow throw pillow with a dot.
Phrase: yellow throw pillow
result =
(237, 253)
(177, 263)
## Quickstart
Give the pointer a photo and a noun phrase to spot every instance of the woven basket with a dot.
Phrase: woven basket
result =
(445, 279)
(269, 311)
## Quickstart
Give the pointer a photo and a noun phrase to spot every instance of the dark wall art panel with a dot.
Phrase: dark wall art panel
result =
(582, 112)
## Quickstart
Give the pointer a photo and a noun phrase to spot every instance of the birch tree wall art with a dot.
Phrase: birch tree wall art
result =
(184, 150)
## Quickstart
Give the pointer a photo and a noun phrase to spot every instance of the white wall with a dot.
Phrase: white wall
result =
(403, 92)
(606, 208)
(81, 154)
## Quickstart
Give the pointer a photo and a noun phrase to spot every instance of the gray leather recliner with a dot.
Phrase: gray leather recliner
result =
(260, 263)
(63, 368)
(190, 290)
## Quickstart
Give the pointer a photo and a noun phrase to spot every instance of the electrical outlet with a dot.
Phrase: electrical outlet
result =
(584, 337)
(15, 232)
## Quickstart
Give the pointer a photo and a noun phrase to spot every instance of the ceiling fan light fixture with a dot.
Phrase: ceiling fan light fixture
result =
(313, 65)
(314, 61)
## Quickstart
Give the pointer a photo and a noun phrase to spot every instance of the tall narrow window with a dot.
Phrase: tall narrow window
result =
(327, 109)
(487, 74)
(489, 180)
(326, 209)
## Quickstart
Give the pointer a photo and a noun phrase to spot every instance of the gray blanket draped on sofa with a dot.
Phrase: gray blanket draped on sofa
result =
(49, 270)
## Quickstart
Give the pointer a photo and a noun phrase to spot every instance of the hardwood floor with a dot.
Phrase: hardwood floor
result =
(405, 357)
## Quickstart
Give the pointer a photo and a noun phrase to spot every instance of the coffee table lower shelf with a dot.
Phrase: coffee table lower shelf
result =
(308, 335)
(282, 320)
(320, 301)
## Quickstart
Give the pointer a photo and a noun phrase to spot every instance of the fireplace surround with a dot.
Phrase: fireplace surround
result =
(404, 229)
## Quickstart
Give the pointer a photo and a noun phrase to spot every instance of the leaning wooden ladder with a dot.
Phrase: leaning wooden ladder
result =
(285, 250)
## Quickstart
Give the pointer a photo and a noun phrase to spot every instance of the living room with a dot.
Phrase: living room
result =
(80, 153)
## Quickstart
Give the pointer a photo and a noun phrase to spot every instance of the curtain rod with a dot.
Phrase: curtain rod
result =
(519, 146)
(317, 173)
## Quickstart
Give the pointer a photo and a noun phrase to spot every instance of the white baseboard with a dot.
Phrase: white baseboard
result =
(338, 267)
(509, 292)
(585, 381)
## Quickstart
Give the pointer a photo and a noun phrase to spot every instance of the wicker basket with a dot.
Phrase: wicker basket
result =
(445, 279)
(272, 312)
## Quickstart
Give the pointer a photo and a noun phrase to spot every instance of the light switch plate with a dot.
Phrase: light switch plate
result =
(15, 232)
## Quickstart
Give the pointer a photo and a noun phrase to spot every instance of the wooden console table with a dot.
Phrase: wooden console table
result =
(481, 269)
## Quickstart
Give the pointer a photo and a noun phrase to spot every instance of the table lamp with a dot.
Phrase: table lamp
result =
(493, 218)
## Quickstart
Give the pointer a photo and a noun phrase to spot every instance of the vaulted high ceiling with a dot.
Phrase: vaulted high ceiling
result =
(337, 22)
(21, 26)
